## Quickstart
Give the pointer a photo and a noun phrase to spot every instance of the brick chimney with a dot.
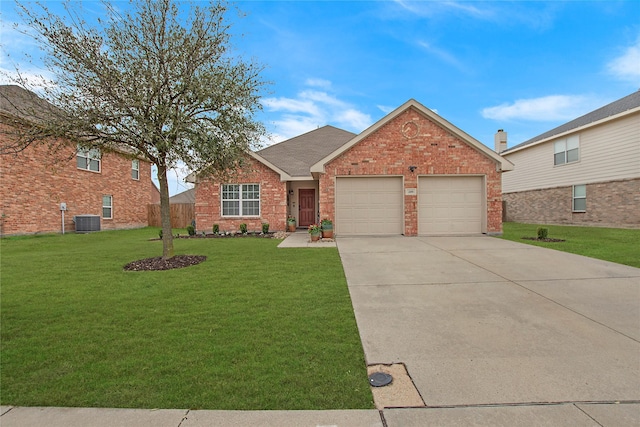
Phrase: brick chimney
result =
(500, 141)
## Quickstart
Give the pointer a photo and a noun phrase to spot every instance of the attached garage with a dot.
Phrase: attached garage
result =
(369, 205)
(450, 205)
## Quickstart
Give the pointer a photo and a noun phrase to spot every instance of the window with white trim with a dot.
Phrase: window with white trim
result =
(135, 169)
(566, 150)
(240, 200)
(88, 159)
(579, 198)
(107, 207)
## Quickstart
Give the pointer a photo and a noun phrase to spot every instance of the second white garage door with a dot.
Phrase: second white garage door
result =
(450, 205)
(369, 205)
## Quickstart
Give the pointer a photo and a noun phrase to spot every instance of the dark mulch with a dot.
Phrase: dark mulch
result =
(543, 240)
(157, 263)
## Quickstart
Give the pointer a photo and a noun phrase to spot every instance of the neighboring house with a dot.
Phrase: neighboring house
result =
(585, 172)
(186, 197)
(113, 189)
(410, 173)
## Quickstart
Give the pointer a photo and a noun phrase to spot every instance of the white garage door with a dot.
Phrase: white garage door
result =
(450, 205)
(369, 205)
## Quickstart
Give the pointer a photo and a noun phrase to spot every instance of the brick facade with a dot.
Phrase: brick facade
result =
(273, 200)
(35, 182)
(609, 204)
(411, 139)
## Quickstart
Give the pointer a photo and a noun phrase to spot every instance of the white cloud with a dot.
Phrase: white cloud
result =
(385, 108)
(325, 84)
(627, 65)
(546, 108)
(311, 109)
(442, 54)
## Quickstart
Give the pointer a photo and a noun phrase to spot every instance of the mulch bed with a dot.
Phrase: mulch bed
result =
(543, 240)
(157, 263)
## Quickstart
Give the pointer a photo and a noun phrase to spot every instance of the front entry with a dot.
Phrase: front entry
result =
(307, 207)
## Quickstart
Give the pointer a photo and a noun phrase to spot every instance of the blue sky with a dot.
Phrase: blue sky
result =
(524, 67)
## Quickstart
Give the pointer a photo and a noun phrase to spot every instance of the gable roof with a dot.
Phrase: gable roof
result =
(295, 156)
(187, 196)
(608, 112)
(502, 163)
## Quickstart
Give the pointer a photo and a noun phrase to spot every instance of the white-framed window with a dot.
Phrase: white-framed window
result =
(241, 200)
(566, 150)
(88, 159)
(135, 169)
(107, 207)
(579, 198)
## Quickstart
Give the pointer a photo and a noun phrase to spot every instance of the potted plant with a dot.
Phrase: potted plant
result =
(314, 231)
(327, 228)
(291, 224)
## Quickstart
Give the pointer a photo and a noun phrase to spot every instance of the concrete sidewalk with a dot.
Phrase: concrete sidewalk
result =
(100, 417)
(494, 332)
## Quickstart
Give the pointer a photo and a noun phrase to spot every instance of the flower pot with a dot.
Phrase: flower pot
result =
(291, 227)
(315, 237)
(327, 234)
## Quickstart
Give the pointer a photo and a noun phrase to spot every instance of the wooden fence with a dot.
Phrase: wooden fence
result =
(181, 215)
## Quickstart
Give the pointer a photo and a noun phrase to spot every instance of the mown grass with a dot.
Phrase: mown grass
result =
(610, 244)
(253, 327)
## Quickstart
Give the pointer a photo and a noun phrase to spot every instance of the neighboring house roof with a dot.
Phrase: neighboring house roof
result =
(295, 156)
(609, 111)
(503, 164)
(20, 103)
(188, 196)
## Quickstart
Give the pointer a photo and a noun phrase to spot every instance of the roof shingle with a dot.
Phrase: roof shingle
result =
(296, 155)
(616, 107)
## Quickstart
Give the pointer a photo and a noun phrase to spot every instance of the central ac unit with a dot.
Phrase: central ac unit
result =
(87, 223)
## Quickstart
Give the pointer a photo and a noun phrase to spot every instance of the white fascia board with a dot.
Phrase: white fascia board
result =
(576, 130)
(192, 177)
(502, 163)
(283, 175)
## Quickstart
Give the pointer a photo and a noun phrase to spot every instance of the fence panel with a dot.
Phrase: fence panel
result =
(181, 215)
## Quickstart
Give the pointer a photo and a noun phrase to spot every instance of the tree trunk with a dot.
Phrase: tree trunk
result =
(165, 213)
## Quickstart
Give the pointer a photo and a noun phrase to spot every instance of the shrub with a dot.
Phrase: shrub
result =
(243, 228)
(191, 230)
(265, 228)
(542, 232)
(216, 228)
(160, 233)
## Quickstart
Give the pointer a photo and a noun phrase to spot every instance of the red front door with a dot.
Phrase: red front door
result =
(307, 207)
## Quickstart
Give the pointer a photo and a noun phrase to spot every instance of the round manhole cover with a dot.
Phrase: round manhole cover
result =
(380, 379)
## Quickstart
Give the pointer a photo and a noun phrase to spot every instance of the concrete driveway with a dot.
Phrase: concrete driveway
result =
(493, 331)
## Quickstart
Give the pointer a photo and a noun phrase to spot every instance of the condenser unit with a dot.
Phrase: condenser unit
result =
(87, 223)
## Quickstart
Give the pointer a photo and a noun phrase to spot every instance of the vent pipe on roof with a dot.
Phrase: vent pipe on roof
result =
(500, 141)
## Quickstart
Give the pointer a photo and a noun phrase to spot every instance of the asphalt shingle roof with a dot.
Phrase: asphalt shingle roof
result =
(616, 107)
(296, 155)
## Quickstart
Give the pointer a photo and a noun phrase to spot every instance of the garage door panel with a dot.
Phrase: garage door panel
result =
(369, 205)
(450, 205)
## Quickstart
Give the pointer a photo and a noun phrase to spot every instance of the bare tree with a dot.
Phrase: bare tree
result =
(151, 81)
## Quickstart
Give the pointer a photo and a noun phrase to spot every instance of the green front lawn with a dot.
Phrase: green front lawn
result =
(610, 244)
(253, 327)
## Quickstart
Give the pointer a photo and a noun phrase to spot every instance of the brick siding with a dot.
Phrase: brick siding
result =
(609, 204)
(411, 139)
(35, 182)
(273, 200)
